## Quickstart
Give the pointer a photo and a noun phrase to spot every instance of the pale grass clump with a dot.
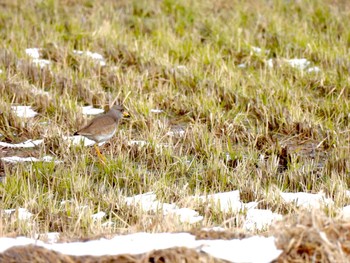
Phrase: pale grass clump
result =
(233, 117)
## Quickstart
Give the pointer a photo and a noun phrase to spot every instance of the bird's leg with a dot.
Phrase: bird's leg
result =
(100, 155)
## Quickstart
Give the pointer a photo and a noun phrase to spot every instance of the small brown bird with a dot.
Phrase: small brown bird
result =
(103, 127)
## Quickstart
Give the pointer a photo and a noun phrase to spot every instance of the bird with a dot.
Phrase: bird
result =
(103, 127)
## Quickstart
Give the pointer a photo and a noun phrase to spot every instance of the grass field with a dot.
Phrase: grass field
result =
(237, 114)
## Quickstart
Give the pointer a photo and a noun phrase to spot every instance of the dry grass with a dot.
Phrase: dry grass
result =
(283, 128)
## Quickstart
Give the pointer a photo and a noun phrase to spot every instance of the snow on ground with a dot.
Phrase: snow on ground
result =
(180, 132)
(235, 250)
(260, 219)
(34, 53)
(156, 111)
(26, 144)
(41, 62)
(226, 202)
(139, 143)
(17, 159)
(95, 56)
(346, 212)
(306, 200)
(24, 111)
(22, 213)
(299, 63)
(148, 202)
(90, 110)
(78, 139)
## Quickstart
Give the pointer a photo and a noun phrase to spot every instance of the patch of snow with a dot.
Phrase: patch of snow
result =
(98, 216)
(38, 91)
(215, 228)
(33, 52)
(176, 132)
(148, 202)
(146, 197)
(254, 249)
(269, 63)
(346, 212)
(224, 201)
(17, 159)
(258, 50)
(299, 63)
(259, 219)
(314, 69)
(139, 143)
(234, 250)
(306, 200)
(41, 62)
(78, 139)
(50, 237)
(89, 110)
(22, 213)
(65, 202)
(108, 224)
(156, 111)
(187, 215)
(24, 111)
(26, 144)
(95, 56)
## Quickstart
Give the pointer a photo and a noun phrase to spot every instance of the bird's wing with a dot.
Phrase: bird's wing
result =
(100, 124)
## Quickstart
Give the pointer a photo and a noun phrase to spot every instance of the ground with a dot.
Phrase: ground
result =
(223, 96)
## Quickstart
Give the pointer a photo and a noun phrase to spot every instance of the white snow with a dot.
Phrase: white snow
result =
(41, 62)
(17, 159)
(260, 219)
(176, 132)
(22, 213)
(98, 216)
(299, 63)
(50, 237)
(346, 212)
(24, 111)
(78, 139)
(33, 52)
(227, 201)
(253, 249)
(347, 193)
(306, 200)
(270, 63)
(148, 202)
(26, 144)
(156, 111)
(258, 50)
(314, 69)
(95, 56)
(38, 91)
(89, 110)
(139, 143)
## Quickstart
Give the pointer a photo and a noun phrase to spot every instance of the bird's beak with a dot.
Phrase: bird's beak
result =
(126, 114)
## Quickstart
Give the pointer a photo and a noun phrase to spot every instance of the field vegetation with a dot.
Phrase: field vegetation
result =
(237, 114)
